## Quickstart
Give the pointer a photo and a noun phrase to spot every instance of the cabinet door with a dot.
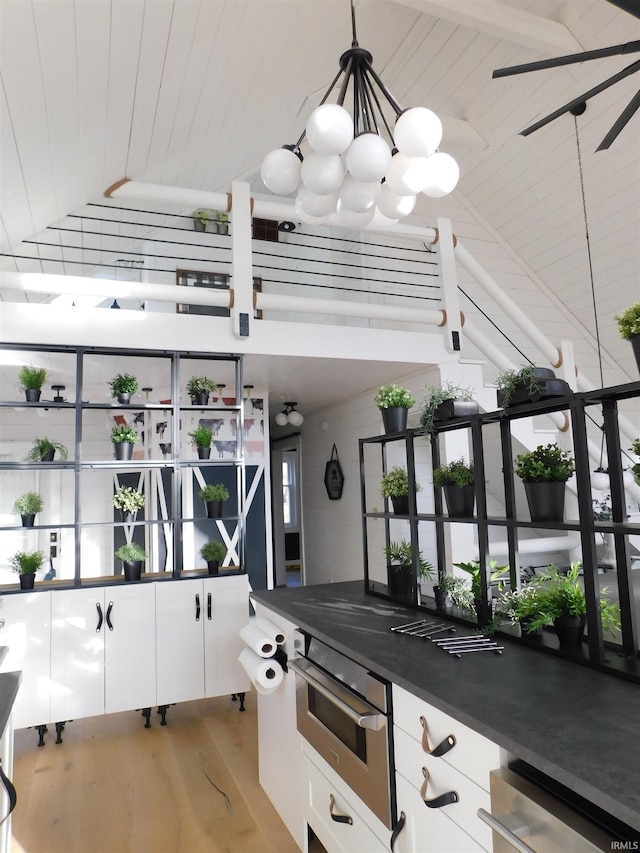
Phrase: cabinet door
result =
(226, 610)
(180, 616)
(77, 654)
(130, 654)
(25, 628)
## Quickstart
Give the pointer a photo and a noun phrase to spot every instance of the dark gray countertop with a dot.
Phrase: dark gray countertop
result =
(578, 726)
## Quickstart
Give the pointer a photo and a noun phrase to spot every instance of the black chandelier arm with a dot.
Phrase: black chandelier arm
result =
(395, 105)
(373, 95)
(347, 68)
(626, 72)
(625, 116)
(569, 59)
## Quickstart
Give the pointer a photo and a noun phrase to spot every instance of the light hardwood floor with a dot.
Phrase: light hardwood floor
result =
(113, 786)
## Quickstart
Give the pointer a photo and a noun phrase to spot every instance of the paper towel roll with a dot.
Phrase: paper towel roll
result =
(265, 675)
(270, 630)
(257, 640)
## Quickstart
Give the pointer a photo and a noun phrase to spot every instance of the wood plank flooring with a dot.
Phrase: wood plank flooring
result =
(113, 786)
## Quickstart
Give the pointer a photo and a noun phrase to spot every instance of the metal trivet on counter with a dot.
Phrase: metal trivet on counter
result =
(426, 629)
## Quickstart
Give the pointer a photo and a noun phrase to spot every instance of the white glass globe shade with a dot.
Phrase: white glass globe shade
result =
(329, 129)
(282, 419)
(357, 196)
(316, 205)
(322, 174)
(418, 132)
(295, 418)
(280, 171)
(303, 216)
(600, 480)
(406, 175)
(395, 206)
(351, 219)
(442, 173)
(627, 478)
(383, 221)
(368, 157)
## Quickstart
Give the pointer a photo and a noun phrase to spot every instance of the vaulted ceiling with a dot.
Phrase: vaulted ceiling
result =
(193, 93)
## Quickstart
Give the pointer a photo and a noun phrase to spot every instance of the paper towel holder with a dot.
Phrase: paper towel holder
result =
(281, 657)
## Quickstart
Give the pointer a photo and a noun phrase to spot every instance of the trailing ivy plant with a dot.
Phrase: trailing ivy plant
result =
(509, 380)
(435, 396)
(41, 446)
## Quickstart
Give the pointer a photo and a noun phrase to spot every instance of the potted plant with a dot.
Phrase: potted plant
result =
(199, 388)
(394, 403)
(122, 386)
(31, 381)
(123, 438)
(28, 506)
(474, 570)
(214, 496)
(456, 589)
(528, 385)
(27, 563)
(400, 567)
(213, 552)
(544, 472)
(44, 450)
(222, 222)
(560, 600)
(635, 469)
(395, 485)
(444, 402)
(132, 557)
(457, 479)
(520, 606)
(629, 328)
(202, 436)
(200, 219)
(128, 500)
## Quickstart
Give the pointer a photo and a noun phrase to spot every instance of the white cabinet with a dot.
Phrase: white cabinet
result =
(102, 650)
(25, 628)
(197, 638)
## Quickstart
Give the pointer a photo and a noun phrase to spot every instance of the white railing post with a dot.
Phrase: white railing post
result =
(241, 262)
(449, 284)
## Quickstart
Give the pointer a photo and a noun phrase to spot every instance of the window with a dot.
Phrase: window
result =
(289, 490)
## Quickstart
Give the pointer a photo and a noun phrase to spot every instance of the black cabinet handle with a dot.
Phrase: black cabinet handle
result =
(448, 743)
(209, 605)
(108, 616)
(99, 625)
(397, 829)
(339, 818)
(437, 802)
(11, 791)
(197, 607)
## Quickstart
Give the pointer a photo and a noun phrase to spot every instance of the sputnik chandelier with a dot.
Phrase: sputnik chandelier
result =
(351, 170)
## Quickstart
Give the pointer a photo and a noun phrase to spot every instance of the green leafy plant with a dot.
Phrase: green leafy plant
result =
(213, 551)
(26, 562)
(456, 473)
(200, 385)
(518, 604)
(131, 553)
(474, 571)
(222, 217)
(123, 383)
(128, 499)
(547, 463)
(400, 555)
(393, 396)
(635, 469)
(202, 436)
(508, 380)
(32, 378)
(41, 446)
(123, 432)
(30, 503)
(213, 493)
(629, 321)
(395, 483)
(458, 589)
(201, 215)
(436, 395)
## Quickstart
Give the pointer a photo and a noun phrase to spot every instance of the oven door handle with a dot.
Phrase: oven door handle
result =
(504, 832)
(372, 719)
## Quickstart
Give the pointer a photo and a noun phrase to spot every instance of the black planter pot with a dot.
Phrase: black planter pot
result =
(440, 597)
(483, 612)
(32, 395)
(546, 386)
(400, 504)
(132, 571)
(199, 225)
(456, 408)
(394, 419)
(400, 580)
(635, 344)
(48, 455)
(124, 398)
(200, 399)
(123, 450)
(204, 452)
(524, 623)
(546, 500)
(28, 520)
(27, 581)
(214, 509)
(460, 500)
(212, 566)
(570, 631)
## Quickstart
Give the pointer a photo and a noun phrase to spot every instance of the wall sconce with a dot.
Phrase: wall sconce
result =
(289, 415)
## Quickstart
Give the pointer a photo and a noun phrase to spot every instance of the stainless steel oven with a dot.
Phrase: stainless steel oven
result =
(344, 712)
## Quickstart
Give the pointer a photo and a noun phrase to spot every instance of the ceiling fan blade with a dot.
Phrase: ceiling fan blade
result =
(625, 115)
(630, 6)
(630, 69)
(569, 59)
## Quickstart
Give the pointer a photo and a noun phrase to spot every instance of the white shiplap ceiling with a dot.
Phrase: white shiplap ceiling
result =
(193, 93)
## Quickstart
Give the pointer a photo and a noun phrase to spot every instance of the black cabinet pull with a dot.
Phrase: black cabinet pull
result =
(209, 605)
(437, 802)
(448, 743)
(197, 607)
(108, 616)
(11, 791)
(397, 829)
(99, 625)
(339, 818)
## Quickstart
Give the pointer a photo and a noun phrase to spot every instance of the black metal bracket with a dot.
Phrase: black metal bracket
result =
(281, 657)
(42, 730)
(59, 730)
(162, 710)
(239, 696)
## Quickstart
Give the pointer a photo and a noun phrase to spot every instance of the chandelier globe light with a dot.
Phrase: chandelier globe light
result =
(289, 415)
(350, 168)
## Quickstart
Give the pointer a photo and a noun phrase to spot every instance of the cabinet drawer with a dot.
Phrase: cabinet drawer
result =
(325, 797)
(428, 830)
(472, 754)
(442, 778)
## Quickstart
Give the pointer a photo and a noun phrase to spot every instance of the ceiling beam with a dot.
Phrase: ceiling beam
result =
(505, 22)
